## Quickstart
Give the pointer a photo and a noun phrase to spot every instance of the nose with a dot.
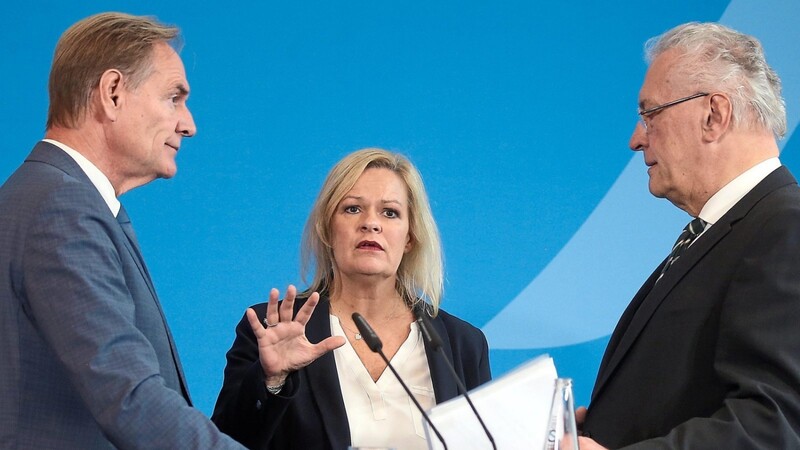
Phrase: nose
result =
(370, 224)
(638, 140)
(186, 126)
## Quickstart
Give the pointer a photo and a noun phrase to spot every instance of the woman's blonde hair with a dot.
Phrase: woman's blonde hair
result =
(420, 274)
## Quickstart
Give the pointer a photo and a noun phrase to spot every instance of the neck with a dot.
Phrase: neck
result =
(744, 150)
(91, 143)
(365, 296)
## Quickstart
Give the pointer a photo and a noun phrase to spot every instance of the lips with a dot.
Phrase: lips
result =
(369, 245)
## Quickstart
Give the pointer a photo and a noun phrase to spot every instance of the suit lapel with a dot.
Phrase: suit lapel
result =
(443, 386)
(323, 381)
(652, 294)
(650, 297)
(48, 153)
(132, 245)
(622, 325)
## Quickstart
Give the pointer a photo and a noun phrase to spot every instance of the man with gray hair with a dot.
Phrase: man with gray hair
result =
(88, 361)
(707, 354)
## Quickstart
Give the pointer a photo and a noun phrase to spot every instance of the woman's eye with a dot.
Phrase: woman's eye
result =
(351, 209)
(390, 213)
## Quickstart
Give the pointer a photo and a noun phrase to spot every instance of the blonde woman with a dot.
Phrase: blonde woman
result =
(299, 375)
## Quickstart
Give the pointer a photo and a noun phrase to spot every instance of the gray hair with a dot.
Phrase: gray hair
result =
(716, 58)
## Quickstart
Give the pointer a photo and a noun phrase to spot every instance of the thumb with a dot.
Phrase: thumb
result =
(328, 344)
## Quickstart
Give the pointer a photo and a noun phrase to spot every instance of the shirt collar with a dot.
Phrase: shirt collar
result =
(721, 202)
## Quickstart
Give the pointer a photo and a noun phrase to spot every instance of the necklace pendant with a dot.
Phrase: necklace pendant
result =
(358, 336)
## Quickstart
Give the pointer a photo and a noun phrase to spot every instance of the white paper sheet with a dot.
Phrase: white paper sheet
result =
(514, 407)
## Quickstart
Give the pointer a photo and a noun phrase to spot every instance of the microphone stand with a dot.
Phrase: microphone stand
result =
(436, 342)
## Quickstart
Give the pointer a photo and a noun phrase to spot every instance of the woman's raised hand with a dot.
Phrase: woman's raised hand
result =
(282, 343)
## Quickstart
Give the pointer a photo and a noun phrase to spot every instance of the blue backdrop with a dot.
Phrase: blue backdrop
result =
(517, 113)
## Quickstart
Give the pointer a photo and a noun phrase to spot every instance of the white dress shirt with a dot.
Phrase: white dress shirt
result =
(380, 413)
(731, 193)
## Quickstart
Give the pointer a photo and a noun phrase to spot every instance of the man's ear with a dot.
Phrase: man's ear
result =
(718, 117)
(110, 94)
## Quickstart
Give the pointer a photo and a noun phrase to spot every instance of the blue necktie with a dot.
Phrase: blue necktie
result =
(127, 228)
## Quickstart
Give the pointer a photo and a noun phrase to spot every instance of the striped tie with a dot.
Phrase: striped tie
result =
(690, 233)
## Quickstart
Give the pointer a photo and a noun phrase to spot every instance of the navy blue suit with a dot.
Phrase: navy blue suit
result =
(87, 358)
(309, 412)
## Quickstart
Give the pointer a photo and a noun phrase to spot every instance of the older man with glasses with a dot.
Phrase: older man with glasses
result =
(707, 355)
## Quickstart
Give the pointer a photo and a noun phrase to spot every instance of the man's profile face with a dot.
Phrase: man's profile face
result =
(671, 142)
(153, 120)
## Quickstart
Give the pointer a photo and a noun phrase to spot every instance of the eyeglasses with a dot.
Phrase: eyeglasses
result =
(648, 113)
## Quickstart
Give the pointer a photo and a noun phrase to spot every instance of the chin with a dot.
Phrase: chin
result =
(371, 271)
(168, 172)
(656, 190)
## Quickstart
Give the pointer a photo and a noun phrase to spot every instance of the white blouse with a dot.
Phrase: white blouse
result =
(381, 413)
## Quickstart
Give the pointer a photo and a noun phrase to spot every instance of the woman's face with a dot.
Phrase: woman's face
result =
(369, 228)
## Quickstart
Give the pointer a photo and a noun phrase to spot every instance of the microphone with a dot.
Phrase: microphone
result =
(433, 338)
(374, 343)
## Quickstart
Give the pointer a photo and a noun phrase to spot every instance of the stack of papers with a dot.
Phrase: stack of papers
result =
(514, 407)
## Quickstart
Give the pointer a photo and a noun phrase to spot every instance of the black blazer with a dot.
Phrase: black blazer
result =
(309, 412)
(709, 357)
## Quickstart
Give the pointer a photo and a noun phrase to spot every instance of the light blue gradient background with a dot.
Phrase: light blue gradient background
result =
(517, 113)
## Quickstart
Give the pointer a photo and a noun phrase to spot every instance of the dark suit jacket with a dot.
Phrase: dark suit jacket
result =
(87, 360)
(709, 357)
(309, 412)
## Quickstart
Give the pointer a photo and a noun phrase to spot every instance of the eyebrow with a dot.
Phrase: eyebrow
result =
(358, 197)
(182, 89)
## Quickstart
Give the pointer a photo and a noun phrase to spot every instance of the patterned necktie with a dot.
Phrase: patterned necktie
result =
(690, 233)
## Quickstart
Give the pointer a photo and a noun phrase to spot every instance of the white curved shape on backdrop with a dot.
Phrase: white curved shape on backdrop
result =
(581, 293)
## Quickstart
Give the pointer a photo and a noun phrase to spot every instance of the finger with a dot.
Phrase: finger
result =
(272, 316)
(580, 415)
(307, 308)
(255, 324)
(287, 306)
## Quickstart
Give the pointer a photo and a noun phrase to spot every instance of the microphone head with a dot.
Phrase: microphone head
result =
(370, 337)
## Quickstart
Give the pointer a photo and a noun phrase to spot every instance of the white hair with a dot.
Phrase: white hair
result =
(716, 58)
